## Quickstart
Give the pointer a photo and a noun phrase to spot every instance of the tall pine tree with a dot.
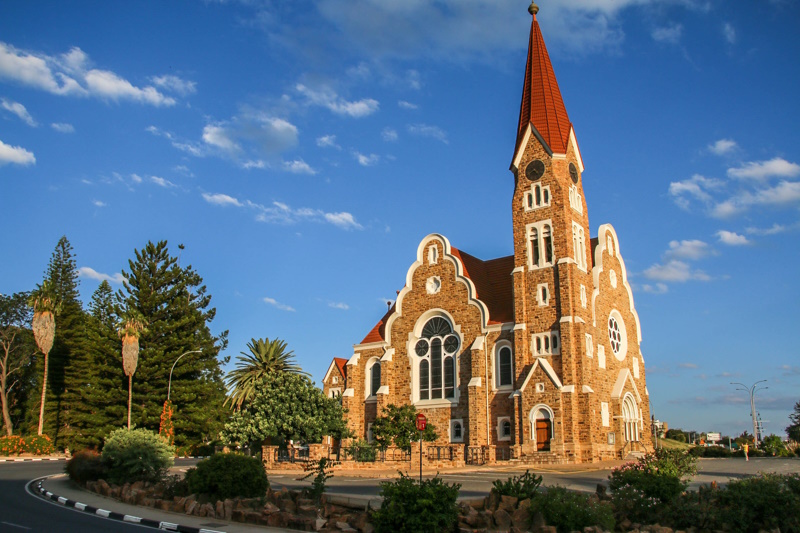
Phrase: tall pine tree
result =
(175, 307)
(98, 406)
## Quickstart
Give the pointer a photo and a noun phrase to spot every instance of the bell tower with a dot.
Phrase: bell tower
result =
(552, 249)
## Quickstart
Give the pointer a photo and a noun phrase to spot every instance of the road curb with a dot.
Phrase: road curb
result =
(36, 486)
(30, 459)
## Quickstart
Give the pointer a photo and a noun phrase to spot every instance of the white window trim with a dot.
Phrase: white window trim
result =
(496, 365)
(575, 200)
(623, 348)
(368, 378)
(546, 341)
(529, 198)
(601, 356)
(414, 361)
(583, 296)
(543, 302)
(579, 243)
(334, 393)
(499, 428)
(605, 415)
(539, 227)
(589, 346)
(370, 436)
(636, 367)
(451, 431)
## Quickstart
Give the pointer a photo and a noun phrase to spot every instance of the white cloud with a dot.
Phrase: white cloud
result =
(98, 203)
(161, 182)
(343, 220)
(669, 34)
(366, 160)
(774, 230)
(697, 187)
(658, 288)
(723, 146)
(761, 170)
(425, 130)
(298, 166)
(175, 84)
(88, 272)
(675, 271)
(254, 163)
(221, 199)
(687, 365)
(136, 178)
(692, 250)
(328, 141)
(339, 305)
(63, 127)
(729, 32)
(217, 137)
(108, 85)
(274, 303)
(732, 239)
(784, 194)
(19, 110)
(407, 105)
(389, 134)
(327, 97)
(16, 155)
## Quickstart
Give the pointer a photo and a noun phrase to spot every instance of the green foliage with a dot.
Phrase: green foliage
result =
(228, 475)
(322, 472)
(286, 406)
(676, 434)
(16, 355)
(571, 511)
(772, 445)
(645, 489)
(137, 455)
(362, 451)
(265, 357)
(397, 425)
(412, 507)
(174, 304)
(521, 487)
(38, 445)
(793, 429)
(86, 465)
(710, 451)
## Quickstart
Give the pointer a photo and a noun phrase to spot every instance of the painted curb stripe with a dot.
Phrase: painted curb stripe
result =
(103, 513)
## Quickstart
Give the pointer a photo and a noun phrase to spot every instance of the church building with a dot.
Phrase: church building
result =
(534, 356)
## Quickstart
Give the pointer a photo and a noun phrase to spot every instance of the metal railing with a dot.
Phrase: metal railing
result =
(476, 455)
(294, 455)
(505, 454)
(440, 453)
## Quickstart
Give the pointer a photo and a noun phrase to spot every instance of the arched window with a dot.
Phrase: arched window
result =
(535, 246)
(542, 427)
(372, 377)
(436, 350)
(548, 243)
(505, 428)
(505, 367)
(630, 419)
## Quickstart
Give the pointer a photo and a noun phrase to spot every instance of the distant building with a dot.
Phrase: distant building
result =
(534, 355)
(335, 380)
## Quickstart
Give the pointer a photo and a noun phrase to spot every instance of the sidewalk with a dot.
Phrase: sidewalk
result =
(61, 486)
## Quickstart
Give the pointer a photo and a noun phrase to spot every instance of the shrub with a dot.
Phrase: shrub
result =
(412, 507)
(322, 473)
(137, 455)
(39, 445)
(764, 502)
(521, 487)
(571, 511)
(86, 465)
(362, 451)
(13, 445)
(228, 475)
(710, 451)
(176, 486)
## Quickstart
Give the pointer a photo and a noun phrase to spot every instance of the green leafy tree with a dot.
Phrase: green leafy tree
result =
(286, 406)
(265, 357)
(793, 429)
(772, 445)
(397, 426)
(175, 305)
(17, 351)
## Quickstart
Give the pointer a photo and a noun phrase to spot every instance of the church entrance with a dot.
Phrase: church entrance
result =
(542, 428)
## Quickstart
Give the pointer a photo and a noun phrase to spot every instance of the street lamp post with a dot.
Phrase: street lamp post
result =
(752, 391)
(169, 386)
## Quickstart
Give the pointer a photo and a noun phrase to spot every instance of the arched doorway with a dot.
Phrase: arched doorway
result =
(630, 419)
(541, 419)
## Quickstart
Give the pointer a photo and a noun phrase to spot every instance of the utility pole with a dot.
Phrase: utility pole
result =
(752, 392)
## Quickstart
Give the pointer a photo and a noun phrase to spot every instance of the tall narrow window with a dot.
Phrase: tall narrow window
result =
(376, 379)
(506, 367)
(548, 244)
(436, 368)
(424, 381)
(538, 192)
(535, 246)
(449, 377)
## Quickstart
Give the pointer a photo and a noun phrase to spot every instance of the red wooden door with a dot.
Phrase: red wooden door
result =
(544, 433)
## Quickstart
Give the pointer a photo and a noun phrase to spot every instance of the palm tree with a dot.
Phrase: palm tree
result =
(131, 327)
(265, 357)
(45, 308)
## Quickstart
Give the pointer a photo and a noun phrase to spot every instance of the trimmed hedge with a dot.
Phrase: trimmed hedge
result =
(228, 475)
(33, 444)
(137, 455)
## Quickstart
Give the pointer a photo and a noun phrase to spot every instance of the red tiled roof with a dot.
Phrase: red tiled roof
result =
(342, 365)
(542, 105)
(493, 286)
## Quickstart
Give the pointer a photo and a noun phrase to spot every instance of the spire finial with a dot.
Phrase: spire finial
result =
(533, 9)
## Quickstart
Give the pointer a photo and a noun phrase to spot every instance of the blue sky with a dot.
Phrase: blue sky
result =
(301, 150)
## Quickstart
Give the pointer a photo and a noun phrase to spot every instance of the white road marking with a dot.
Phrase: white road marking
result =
(14, 525)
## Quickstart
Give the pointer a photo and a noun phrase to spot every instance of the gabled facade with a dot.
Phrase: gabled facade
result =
(335, 381)
(534, 355)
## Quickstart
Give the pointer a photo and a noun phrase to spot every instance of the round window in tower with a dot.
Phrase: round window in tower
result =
(617, 336)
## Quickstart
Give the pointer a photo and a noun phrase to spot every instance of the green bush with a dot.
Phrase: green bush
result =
(412, 507)
(228, 475)
(710, 451)
(321, 470)
(136, 455)
(521, 487)
(764, 502)
(362, 451)
(38, 445)
(86, 465)
(571, 511)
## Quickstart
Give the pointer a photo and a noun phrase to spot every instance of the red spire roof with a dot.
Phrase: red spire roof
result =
(542, 105)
